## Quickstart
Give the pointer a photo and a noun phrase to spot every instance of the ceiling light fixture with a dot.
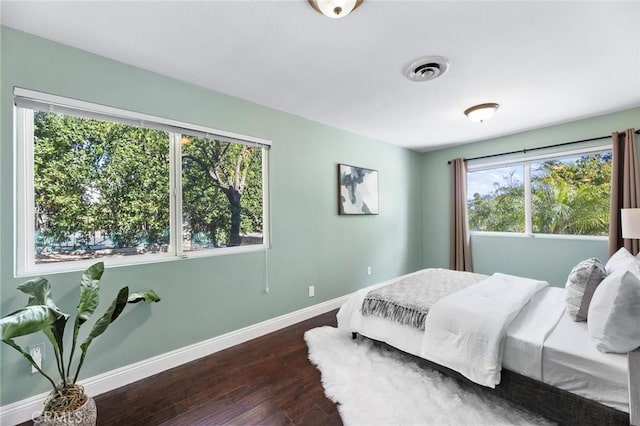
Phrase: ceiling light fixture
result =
(335, 8)
(482, 112)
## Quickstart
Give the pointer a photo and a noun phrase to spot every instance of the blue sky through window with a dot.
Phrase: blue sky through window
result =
(483, 181)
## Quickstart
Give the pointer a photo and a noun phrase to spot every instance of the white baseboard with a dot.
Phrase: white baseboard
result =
(21, 411)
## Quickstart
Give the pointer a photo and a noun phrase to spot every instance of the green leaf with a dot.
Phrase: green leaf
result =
(89, 300)
(147, 296)
(89, 292)
(28, 320)
(103, 322)
(39, 291)
(55, 334)
(109, 316)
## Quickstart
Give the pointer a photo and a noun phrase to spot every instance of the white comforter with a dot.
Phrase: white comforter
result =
(465, 330)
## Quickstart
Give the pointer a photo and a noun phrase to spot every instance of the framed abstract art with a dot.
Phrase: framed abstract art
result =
(357, 190)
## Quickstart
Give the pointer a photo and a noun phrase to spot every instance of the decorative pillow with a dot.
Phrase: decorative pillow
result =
(582, 282)
(622, 259)
(614, 313)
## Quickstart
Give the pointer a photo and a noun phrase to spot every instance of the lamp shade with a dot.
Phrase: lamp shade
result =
(630, 223)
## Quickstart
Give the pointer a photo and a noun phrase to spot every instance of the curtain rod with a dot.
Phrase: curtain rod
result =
(525, 150)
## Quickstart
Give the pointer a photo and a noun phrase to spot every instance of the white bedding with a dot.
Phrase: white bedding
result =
(572, 362)
(523, 345)
(464, 331)
(527, 333)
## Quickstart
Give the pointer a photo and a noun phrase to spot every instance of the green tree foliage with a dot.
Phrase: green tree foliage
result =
(501, 210)
(95, 177)
(572, 197)
(63, 159)
(230, 174)
(99, 181)
(567, 197)
(134, 187)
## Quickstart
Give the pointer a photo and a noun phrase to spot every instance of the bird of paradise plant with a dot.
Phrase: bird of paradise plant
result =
(42, 314)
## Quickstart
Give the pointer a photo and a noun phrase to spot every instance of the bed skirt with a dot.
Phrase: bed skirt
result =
(557, 405)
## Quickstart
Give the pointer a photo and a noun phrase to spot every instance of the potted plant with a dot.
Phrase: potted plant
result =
(67, 403)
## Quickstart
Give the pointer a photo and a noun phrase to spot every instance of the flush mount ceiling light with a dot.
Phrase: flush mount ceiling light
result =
(335, 8)
(482, 112)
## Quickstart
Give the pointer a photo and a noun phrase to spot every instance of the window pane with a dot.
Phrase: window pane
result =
(572, 195)
(495, 199)
(101, 189)
(221, 194)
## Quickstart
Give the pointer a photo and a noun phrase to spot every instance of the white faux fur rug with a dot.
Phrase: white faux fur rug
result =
(377, 386)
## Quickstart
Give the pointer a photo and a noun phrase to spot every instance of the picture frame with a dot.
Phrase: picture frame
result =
(357, 190)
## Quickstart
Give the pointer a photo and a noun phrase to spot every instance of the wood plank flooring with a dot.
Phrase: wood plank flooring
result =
(265, 381)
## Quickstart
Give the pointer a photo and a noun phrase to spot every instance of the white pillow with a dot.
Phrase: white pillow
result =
(622, 260)
(614, 313)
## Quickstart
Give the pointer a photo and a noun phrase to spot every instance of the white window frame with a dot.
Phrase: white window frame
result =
(24, 196)
(528, 211)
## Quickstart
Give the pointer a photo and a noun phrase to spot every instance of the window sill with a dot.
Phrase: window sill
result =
(81, 265)
(539, 236)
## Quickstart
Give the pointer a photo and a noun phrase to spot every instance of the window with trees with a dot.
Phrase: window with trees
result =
(563, 194)
(96, 182)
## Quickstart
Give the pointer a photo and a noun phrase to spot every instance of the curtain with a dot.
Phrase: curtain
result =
(460, 249)
(625, 188)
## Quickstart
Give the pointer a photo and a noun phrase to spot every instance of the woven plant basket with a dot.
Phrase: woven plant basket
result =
(83, 415)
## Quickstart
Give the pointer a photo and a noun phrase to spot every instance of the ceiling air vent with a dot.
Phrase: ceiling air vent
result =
(426, 69)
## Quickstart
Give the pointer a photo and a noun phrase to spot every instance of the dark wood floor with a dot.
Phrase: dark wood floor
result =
(266, 381)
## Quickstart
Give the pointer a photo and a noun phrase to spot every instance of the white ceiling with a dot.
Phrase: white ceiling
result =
(544, 62)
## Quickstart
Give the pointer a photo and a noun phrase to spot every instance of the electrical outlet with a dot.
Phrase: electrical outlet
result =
(312, 290)
(368, 270)
(37, 353)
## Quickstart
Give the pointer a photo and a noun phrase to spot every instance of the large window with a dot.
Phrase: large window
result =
(564, 194)
(108, 185)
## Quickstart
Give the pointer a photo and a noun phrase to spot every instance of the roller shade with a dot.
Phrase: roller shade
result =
(39, 101)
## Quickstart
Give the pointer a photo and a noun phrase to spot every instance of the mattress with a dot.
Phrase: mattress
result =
(542, 343)
(634, 377)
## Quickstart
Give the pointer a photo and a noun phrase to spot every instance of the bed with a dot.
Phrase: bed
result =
(545, 354)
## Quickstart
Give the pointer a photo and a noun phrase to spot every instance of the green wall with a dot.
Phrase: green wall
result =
(206, 297)
(550, 259)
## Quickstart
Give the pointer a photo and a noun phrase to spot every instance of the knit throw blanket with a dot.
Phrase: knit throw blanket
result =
(408, 300)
